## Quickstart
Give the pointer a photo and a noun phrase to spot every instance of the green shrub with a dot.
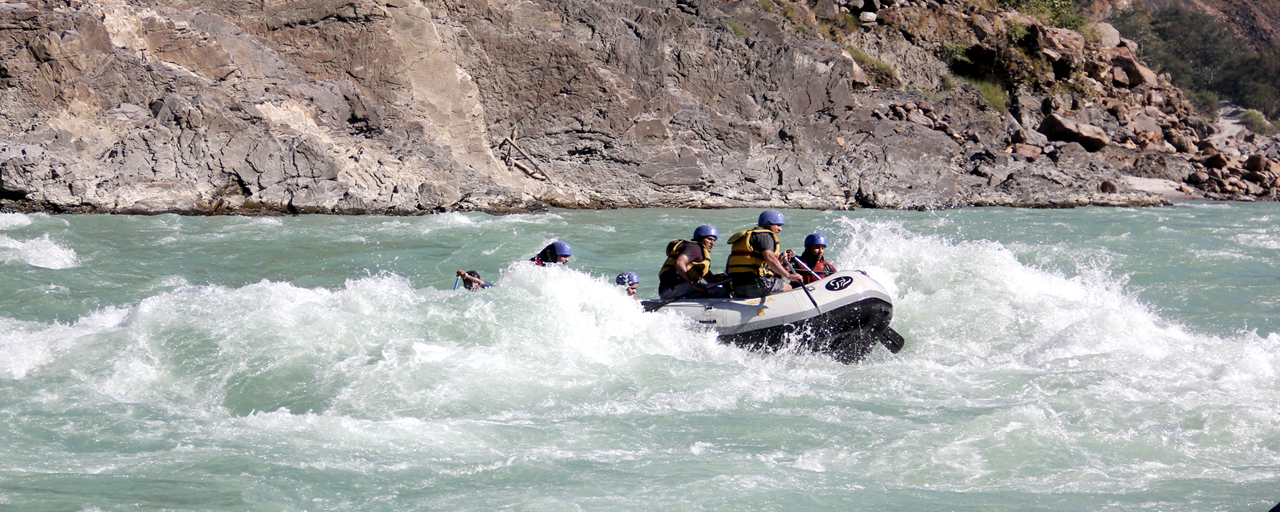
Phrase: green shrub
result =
(1017, 32)
(767, 5)
(789, 12)
(882, 74)
(1057, 13)
(995, 95)
(1206, 102)
(1257, 123)
(1091, 33)
(954, 53)
(737, 29)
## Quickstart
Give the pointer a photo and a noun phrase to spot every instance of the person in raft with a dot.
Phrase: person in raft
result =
(688, 264)
(630, 281)
(815, 247)
(557, 252)
(471, 280)
(754, 266)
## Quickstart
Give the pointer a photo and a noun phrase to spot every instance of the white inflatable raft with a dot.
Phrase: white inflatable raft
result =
(844, 315)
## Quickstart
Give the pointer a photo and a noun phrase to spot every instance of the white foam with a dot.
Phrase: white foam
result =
(40, 252)
(1264, 240)
(14, 220)
(28, 346)
(267, 221)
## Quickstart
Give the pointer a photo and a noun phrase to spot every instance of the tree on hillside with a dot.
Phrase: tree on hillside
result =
(1254, 81)
(1205, 58)
(1198, 43)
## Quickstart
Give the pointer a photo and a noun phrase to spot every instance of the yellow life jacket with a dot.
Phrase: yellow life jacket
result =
(667, 277)
(746, 259)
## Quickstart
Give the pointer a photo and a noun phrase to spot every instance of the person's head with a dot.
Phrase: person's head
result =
(772, 220)
(557, 252)
(472, 284)
(706, 235)
(630, 280)
(815, 244)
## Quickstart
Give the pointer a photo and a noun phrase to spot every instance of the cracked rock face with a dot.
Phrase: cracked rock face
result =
(404, 106)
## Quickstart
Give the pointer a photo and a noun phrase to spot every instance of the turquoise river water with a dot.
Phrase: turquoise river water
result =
(1084, 359)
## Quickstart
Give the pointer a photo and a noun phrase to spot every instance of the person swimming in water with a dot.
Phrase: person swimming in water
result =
(556, 252)
(630, 281)
(472, 281)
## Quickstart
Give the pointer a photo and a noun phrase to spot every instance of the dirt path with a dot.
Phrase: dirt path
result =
(1228, 123)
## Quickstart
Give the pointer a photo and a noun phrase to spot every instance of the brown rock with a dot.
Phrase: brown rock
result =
(826, 9)
(982, 27)
(1143, 123)
(1122, 58)
(1098, 71)
(1059, 39)
(1181, 141)
(1108, 187)
(1057, 127)
(1257, 163)
(1109, 37)
(1256, 177)
(919, 118)
(1216, 161)
(1120, 77)
(1027, 150)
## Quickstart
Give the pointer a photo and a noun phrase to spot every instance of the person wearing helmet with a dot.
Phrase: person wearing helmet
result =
(754, 265)
(688, 265)
(471, 280)
(557, 252)
(815, 248)
(630, 281)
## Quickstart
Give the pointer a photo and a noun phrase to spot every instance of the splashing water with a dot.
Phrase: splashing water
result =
(1082, 359)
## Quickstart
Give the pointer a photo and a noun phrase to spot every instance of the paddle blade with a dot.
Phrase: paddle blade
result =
(892, 340)
(653, 305)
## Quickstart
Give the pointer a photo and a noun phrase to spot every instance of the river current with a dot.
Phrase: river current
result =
(1083, 359)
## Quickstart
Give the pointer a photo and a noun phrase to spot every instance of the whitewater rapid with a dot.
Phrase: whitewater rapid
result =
(322, 363)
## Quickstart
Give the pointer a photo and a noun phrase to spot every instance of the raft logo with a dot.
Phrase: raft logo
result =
(839, 283)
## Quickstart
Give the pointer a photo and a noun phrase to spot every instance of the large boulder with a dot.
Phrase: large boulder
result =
(1108, 36)
(1136, 73)
(1091, 137)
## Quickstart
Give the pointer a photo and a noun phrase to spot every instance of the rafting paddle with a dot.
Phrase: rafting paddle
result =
(892, 340)
(889, 338)
(806, 288)
(651, 305)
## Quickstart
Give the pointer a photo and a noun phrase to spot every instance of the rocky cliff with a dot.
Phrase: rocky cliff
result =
(404, 106)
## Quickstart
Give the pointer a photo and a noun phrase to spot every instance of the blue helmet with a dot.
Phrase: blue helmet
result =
(562, 249)
(771, 217)
(706, 231)
(815, 239)
(627, 279)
